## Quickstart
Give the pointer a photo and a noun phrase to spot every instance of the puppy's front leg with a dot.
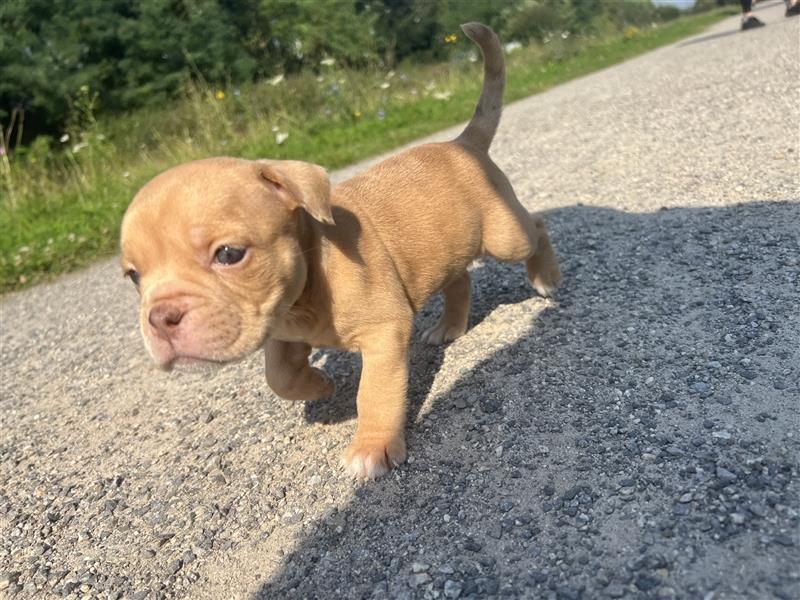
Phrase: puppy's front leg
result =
(379, 443)
(290, 376)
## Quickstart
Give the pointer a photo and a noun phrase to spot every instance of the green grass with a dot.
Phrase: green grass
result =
(61, 210)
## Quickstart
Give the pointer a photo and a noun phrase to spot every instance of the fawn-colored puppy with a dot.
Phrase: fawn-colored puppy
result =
(233, 255)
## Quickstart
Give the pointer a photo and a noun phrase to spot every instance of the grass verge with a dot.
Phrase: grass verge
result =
(61, 210)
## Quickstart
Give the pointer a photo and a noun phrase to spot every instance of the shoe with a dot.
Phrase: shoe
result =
(752, 23)
(793, 10)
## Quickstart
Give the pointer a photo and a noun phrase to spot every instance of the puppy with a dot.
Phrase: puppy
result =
(230, 256)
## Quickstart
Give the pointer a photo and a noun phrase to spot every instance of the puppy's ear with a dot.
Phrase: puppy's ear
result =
(301, 185)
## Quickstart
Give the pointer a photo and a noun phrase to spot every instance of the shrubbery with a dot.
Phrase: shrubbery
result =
(133, 53)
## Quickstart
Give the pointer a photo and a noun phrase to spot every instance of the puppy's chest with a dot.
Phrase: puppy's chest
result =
(311, 330)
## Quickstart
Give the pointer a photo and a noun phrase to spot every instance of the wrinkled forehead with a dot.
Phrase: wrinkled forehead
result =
(198, 188)
(187, 205)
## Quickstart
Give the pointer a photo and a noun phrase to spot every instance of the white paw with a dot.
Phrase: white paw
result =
(371, 458)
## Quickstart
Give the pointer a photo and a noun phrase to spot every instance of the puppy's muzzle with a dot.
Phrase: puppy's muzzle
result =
(164, 319)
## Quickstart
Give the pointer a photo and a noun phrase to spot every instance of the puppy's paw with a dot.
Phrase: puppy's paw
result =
(545, 280)
(372, 457)
(322, 386)
(443, 333)
(313, 384)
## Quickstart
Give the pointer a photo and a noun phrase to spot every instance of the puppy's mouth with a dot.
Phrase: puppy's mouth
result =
(169, 356)
(191, 364)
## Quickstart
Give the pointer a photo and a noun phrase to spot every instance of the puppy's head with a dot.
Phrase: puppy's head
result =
(215, 249)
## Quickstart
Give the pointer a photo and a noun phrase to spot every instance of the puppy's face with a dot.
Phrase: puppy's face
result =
(214, 248)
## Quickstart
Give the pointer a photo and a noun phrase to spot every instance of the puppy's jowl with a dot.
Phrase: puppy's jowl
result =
(231, 256)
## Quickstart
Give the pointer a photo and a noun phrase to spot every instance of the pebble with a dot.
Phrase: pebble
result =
(783, 540)
(722, 434)
(452, 589)
(725, 476)
(472, 545)
(615, 590)
(418, 579)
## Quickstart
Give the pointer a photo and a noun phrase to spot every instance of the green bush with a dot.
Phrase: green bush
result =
(135, 53)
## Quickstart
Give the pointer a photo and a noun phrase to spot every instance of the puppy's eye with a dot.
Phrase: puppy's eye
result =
(228, 255)
(133, 276)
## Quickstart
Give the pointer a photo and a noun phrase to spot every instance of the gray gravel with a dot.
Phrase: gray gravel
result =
(635, 438)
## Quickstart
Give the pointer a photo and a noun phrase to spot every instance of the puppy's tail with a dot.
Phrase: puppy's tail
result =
(481, 128)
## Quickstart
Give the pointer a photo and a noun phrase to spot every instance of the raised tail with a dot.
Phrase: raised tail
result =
(481, 128)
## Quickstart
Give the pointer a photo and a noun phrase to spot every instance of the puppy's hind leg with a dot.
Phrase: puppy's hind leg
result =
(543, 271)
(511, 234)
(290, 376)
(455, 318)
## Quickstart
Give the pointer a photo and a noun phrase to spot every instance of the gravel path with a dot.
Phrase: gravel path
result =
(636, 438)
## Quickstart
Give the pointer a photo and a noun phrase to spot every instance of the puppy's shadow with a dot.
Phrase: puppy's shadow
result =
(493, 284)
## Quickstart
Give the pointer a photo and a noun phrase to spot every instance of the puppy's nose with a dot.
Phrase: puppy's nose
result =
(165, 318)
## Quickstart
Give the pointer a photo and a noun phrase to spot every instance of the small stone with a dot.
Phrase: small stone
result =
(722, 434)
(646, 582)
(748, 374)
(681, 510)
(685, 498)
(537, 576)
(496, 531)
(293, 518)
(737, 518)
(713, 364)
(418, 579)
(725, 476)
(615, 590)
(419, 567)
(701, 387)
(471, 545)
(452, 589)
(6, 579)
(783, 540)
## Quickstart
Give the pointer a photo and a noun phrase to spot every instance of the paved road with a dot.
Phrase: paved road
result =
(637, 437)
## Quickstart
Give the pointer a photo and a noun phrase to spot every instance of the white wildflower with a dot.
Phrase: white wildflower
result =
(275, 80)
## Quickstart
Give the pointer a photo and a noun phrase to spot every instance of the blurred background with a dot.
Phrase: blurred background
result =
(131, 54)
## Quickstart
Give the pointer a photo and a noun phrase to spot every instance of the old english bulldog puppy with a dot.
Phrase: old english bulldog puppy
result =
(231, 256)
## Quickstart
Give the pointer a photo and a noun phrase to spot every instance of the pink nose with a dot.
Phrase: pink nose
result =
(165, 318)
